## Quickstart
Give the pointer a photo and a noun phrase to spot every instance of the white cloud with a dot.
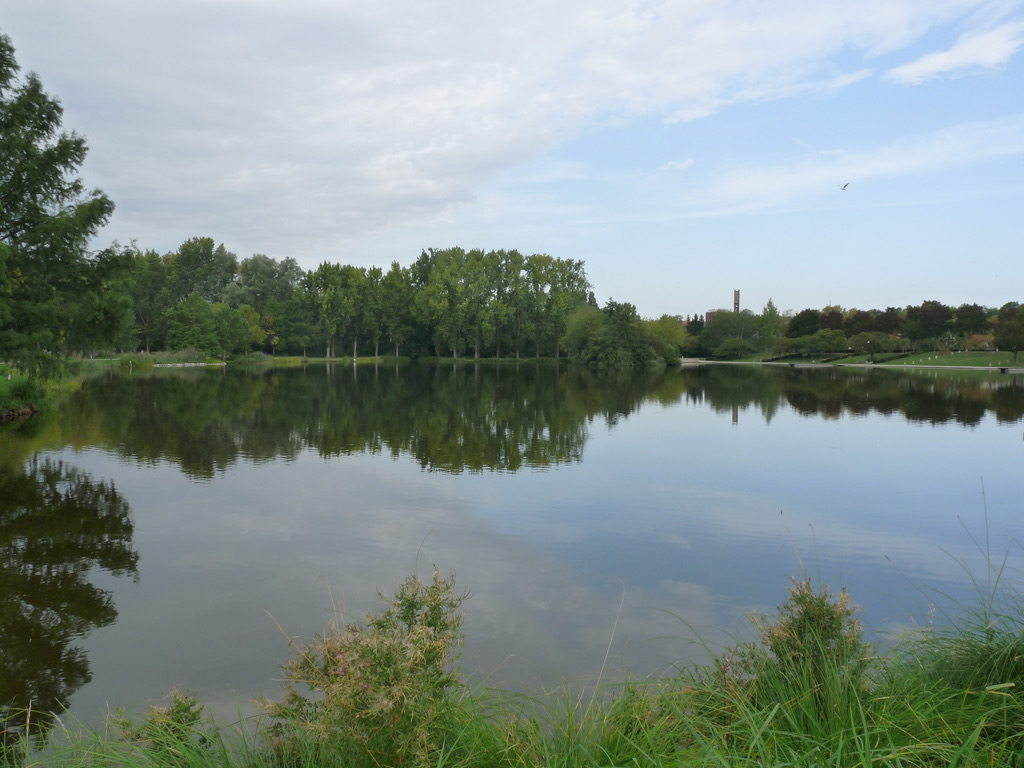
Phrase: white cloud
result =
(678, 165)
(292, 129)
(988, 50)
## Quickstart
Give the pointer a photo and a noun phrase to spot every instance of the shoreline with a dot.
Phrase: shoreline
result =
(1003, 370)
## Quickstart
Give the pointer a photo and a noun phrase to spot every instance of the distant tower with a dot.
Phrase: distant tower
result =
(736, 301)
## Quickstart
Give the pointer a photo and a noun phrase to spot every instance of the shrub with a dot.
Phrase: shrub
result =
(811, 660)
(381, 693)
(735, 347)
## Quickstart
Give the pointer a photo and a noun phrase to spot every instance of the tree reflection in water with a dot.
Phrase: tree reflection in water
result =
(57, 525)
(478, 417)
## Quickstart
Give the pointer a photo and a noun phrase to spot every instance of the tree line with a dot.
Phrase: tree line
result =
(59, 299)
(449, 301)
(930, 325)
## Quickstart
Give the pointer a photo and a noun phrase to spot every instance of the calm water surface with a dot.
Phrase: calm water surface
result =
(176, 528)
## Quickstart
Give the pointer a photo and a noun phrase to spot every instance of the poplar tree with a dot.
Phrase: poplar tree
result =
(50, 285)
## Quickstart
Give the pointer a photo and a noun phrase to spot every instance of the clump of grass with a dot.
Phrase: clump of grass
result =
(19, 391)
(179, 730)
(811, 692)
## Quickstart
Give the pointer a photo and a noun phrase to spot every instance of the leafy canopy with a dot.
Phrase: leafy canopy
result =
(49, 284)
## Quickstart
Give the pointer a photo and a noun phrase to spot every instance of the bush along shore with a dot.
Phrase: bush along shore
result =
(20, 397)
(807, 692)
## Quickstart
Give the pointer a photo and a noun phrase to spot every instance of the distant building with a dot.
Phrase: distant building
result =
(735, 307)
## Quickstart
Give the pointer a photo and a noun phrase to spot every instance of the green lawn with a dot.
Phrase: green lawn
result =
(978, 359)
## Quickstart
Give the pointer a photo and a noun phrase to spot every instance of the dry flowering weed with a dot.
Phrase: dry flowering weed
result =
(384, 689)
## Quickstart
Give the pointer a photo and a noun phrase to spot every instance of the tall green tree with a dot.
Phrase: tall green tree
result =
(192, 325)
(929, 320)
(373, 307)
(538, 298)
(331, 303)
(441, 303)
(47, 220)
(568, 292)
(199, 266)
(335, 293)
(618, 339)
(357, 287)
(510, 289)
(806, 322)
(890, 321)
(1009, 328)
(295, 325)
(478, 297)
(103, 315)
(237, 330)
(971, 319)
(396, 305)
(147, 287)
(770, 325)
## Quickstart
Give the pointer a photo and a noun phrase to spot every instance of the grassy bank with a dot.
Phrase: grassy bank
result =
(808, 692)
(993, 360)
(18, 396)
(22, 398)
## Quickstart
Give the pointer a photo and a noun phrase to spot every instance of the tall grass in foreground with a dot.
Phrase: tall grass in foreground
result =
(807, 692)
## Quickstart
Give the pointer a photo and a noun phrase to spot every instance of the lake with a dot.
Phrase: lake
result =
(175, 528)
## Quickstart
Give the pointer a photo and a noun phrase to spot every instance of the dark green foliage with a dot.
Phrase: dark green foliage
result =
(669, 337)
(610, 337)
(733, 347)
(806, 322)
(873, 343)
(971, 319)
(147, 287)
(730, 325)
(1009, 328)
(198, 266)
(21, 392)
(929, 320)
(55, 298)
(192, 325)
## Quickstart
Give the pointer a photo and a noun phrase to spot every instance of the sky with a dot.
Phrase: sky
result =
(812, 152)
